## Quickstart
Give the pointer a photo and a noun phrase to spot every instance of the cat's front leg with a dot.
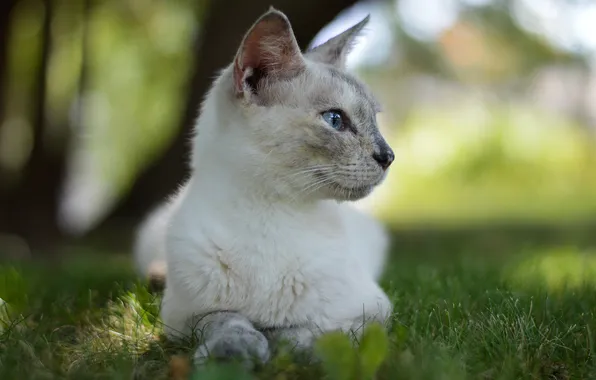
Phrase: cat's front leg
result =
(230, 335)
(223, 335)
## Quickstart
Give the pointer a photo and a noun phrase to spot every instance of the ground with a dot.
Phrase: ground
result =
(492, 303)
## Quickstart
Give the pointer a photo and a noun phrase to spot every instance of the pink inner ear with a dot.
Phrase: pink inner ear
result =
(270, 47)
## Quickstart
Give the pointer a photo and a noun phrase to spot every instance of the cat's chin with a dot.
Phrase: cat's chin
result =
(343, 193)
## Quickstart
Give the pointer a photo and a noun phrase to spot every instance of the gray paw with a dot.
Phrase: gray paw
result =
(246, 345)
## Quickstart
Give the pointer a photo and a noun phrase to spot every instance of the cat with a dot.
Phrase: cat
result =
(261, 243)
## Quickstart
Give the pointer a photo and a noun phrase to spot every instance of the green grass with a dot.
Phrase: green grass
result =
(478, 305)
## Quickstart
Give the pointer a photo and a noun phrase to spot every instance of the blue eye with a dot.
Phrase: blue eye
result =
(334, 119)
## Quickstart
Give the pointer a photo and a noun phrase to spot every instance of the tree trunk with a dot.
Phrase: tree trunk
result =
(29, 209)
(223, 30)
(5, 9)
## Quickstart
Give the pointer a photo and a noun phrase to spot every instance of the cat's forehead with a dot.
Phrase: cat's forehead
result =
(360, 90)
(322, 87)
(327, 86)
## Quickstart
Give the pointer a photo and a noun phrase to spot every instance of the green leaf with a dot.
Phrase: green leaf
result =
(374, 348)
(338, 356)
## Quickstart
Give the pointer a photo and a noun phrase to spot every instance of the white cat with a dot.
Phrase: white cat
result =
(258, 242)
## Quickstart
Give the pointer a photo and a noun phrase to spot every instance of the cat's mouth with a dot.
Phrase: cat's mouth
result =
(339, 191)
(351, 193)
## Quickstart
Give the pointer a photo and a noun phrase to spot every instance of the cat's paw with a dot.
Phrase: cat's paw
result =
(248, 346)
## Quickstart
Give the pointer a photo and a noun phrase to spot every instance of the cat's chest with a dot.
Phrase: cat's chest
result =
(289, 288)
(275, 271)
(284, 257)
(278, 237)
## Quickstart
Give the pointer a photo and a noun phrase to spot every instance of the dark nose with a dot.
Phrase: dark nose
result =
(384, 157)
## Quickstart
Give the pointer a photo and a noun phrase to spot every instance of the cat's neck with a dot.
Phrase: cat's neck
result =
(227, 208)
(234, 213)
(230, 187)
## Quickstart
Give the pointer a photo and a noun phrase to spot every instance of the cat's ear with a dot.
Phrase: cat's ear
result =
(335, 51)
(268, 49)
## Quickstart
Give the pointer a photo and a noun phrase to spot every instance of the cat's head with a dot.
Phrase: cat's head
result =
(303, 123)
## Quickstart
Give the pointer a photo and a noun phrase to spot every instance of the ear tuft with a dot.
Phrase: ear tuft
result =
(268, 49)
(335, 51)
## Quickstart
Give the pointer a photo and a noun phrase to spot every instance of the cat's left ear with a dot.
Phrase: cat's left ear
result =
(335, 51)
(269, 49)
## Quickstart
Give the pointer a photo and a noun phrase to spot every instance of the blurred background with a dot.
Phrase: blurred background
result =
(490, 106)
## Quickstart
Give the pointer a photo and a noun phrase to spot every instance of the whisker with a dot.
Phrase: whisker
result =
(316, 185)
(309, 170)
(304, 173)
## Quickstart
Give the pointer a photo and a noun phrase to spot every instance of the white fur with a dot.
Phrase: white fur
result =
(149, 248)
(238, 238)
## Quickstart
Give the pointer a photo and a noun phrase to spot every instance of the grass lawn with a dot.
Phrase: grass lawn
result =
(478, 304)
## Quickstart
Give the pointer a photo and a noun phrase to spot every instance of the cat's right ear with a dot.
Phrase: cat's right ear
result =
(268, 49)
(335, 51)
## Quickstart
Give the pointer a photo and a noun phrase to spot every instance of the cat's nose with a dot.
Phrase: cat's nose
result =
(384, 157)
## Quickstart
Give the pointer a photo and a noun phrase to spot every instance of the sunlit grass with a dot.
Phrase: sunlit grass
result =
(560, 269)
